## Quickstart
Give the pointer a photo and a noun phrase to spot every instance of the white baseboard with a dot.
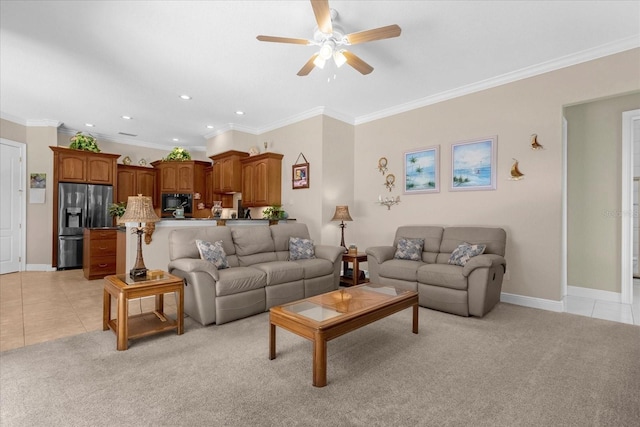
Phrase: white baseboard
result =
(577, 291)
(39, 267)
(544, 304)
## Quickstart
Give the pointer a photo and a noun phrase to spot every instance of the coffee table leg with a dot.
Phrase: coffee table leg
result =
(272, 341)
(123, 318)
(319, 361)
(415, 319)
(106, 310)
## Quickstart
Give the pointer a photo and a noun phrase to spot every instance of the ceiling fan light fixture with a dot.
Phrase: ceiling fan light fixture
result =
(326, 51)
(339, 58)
(319, 62)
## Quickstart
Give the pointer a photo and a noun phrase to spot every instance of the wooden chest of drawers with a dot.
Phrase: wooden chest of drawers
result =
(99, 252)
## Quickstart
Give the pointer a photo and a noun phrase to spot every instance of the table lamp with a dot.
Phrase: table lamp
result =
(140, 210)
(342, 215)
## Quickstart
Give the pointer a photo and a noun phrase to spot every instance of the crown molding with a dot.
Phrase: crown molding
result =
(545, 67)
(12, 118)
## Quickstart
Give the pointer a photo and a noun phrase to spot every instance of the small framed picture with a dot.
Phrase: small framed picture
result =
(473, 164)
(300, 176)
(422, 170)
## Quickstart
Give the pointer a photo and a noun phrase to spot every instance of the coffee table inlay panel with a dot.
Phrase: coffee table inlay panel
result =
(324, 317)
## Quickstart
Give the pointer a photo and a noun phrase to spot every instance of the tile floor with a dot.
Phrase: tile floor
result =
(42, 306)
(623, 313)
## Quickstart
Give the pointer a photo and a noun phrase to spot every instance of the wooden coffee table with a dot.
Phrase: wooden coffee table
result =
(123, 288)
(324, 317)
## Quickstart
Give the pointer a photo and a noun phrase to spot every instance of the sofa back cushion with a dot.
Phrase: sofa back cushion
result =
(494, 238)
(253, 244)
(431, 234)
(281, 234)
(182, 242)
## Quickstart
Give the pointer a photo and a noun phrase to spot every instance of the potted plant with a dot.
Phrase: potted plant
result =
(117, 210)
(273, 212)
(178, 154)
(84, 142)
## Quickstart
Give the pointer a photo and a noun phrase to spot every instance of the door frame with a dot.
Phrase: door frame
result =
(626, 261)
(23, 200)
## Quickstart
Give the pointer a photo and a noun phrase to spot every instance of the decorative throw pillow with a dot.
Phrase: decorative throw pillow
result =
(213, 252)
(301, 249)
(410, 249)
(464, 253)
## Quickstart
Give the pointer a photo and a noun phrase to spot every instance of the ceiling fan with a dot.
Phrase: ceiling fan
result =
(331, 39)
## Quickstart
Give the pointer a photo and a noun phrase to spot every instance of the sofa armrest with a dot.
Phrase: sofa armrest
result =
(193, 265)
(484, 260)
(328, 252)
(381, 253)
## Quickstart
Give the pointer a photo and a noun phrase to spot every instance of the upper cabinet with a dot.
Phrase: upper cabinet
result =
(84, 166)
(181, 177)
(227, 171)
(262, 180)
(134, 180)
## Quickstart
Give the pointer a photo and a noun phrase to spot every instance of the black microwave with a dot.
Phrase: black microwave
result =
(171, 201)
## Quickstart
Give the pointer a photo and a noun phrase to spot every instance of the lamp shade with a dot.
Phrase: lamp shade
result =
(139, 209)
(342, 214)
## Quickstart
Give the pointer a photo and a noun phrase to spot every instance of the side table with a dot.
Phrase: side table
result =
(354, 259)
(123, 288)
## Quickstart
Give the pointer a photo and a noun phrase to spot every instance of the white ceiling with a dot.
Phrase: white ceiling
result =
(93, 61)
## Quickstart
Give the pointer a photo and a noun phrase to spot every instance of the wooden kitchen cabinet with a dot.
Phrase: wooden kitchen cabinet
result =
(99, 252)
(262, 180)
(227, 171)
(134, 180)
(83, 166)
(180, 177)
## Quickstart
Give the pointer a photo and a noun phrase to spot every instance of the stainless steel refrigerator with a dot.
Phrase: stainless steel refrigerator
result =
(80, 206)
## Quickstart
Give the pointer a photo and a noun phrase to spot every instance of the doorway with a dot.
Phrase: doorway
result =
(630, 227)
(13, 213)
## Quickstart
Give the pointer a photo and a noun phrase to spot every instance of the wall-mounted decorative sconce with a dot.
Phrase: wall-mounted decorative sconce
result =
(516, 175)
(390, 181)
(534, 143)
(388, 201)
(382, 165)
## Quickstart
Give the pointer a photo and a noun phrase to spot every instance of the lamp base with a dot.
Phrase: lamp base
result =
(138, 273)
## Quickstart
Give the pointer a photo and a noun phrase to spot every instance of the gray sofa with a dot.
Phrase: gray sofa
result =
(470, 290)
(259, 276)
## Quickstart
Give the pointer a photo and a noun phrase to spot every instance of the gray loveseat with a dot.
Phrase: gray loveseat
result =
(470, 290)
(259, 276)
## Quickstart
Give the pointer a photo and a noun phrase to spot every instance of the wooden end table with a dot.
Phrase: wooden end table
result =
(354, 259)
(126, 327)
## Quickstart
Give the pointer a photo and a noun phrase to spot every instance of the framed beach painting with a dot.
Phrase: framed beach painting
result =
(422, 170)
(473, 164)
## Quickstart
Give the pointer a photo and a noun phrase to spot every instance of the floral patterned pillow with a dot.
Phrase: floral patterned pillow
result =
(410, 249)
(213, 252)
(301, 249)
(465, 252)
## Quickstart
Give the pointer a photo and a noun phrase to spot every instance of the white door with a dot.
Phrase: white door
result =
(11, 206)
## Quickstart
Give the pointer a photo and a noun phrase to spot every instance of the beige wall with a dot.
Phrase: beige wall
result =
(530, 210)
(594, 197)
(13, 131)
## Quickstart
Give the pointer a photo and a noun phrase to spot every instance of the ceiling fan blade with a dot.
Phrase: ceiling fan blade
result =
(376, 34)
(306, 69)
(357, 63)
(323, 15)
(282, 40)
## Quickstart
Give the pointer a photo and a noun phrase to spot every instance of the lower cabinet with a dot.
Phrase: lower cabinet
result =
(99, 252)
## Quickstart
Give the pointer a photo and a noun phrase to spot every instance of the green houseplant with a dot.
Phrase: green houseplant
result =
(177, 154)
(273, 212)
(117, 209)
(84, 142)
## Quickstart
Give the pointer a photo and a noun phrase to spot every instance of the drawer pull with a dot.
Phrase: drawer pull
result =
(102, 265)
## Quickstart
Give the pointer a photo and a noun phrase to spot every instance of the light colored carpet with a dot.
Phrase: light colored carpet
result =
(516, 366)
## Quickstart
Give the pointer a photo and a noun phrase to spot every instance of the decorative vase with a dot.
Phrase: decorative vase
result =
(216, 210)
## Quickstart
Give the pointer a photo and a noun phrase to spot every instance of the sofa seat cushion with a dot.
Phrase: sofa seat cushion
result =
(315, 267)
(445, 275)
(239, 279)
(401, 269)
(279, 272)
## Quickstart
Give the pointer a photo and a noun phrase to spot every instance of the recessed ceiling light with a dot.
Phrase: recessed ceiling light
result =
(209, 126)
(240, 113)
(185, 97)
(127, 117)
(89, 124)
(175, 140)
